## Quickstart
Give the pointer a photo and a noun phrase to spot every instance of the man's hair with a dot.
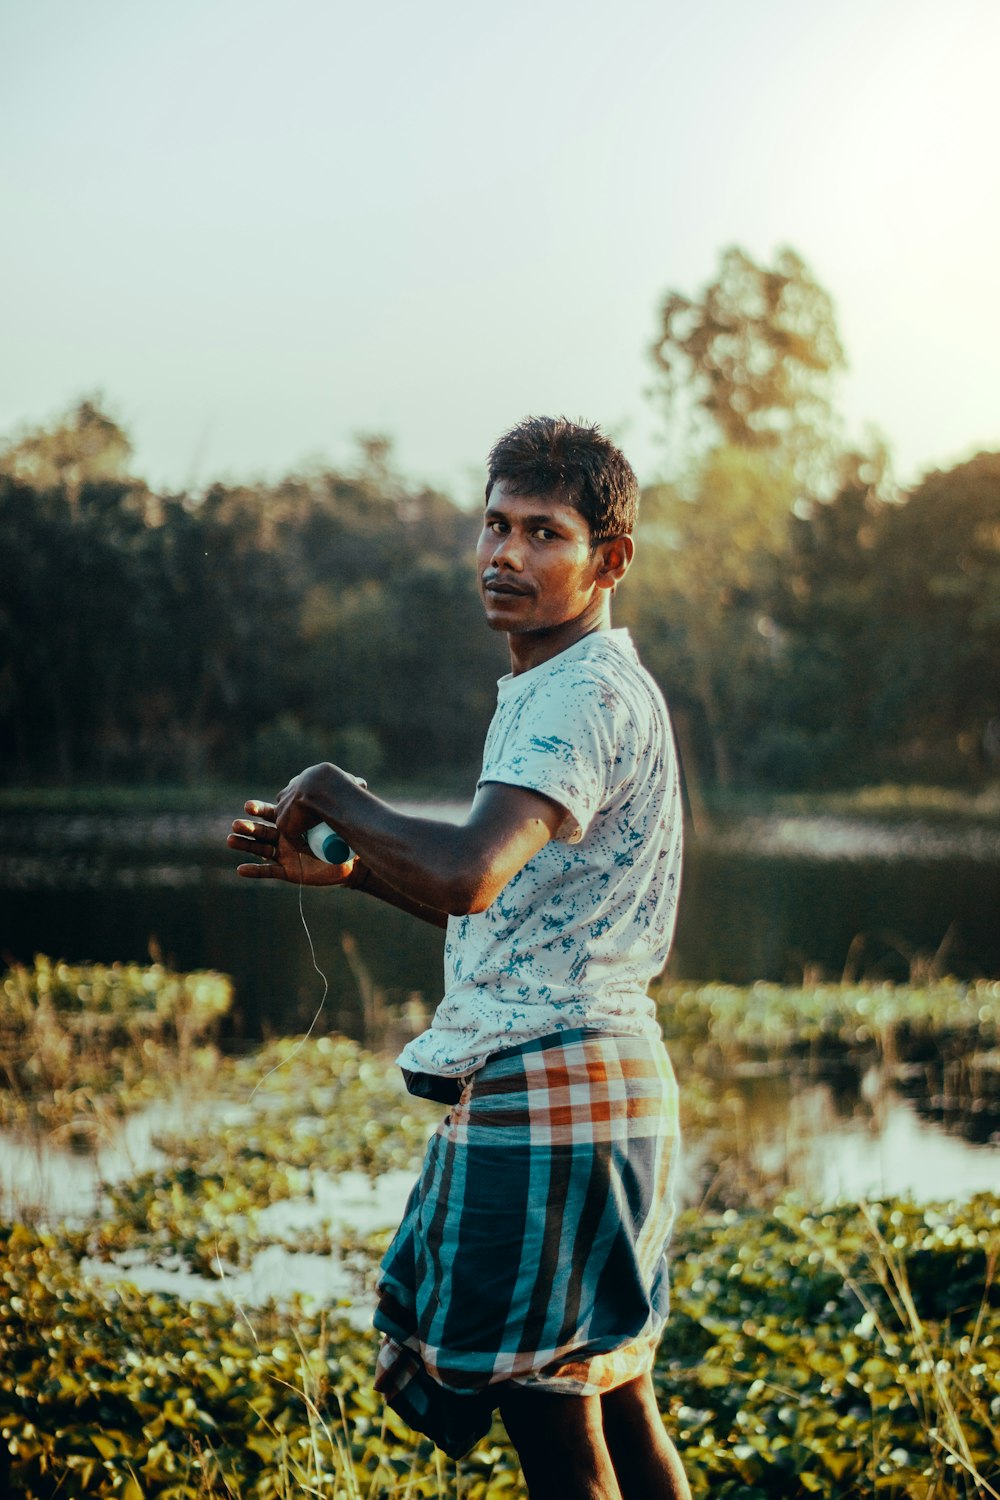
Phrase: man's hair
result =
(546, 454)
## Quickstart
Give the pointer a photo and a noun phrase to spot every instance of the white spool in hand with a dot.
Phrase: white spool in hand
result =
(328, 846)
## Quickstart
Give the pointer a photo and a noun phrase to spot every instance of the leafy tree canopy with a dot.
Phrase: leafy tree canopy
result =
(753, 356)
(85, 446)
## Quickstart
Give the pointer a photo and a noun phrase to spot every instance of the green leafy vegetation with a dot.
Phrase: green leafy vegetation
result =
(841, 1353)
(831, 1352)
(852, 1352)
(104, 1391)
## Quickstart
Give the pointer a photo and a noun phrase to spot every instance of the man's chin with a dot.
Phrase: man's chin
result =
(504, 627)
(511, 627)
(495, 619)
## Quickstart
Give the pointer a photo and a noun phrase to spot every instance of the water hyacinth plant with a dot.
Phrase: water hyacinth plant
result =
(839, 1352)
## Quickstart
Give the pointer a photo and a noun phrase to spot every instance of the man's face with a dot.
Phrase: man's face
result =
(536, 566)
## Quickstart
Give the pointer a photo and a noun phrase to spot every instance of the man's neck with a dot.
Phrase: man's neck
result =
(535, 647)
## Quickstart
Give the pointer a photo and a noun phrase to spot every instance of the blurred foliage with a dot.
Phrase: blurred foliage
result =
(85, 446)
(700, 566)
(227, 635)
(886, 627)
(890, 802)
(810, 627)
(81, 1041)
(719, 1024)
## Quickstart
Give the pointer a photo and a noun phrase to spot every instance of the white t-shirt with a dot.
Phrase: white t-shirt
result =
(575, 937)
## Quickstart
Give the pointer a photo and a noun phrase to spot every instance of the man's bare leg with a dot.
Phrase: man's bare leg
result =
(560, 1444)
(646, 1463)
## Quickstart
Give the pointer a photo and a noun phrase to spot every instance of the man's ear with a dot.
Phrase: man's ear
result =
(614, 558)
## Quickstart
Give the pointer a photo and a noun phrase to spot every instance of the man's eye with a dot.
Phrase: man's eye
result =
(545, 534)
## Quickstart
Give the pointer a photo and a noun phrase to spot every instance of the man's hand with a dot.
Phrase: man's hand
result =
(283, 858)
(293, 810)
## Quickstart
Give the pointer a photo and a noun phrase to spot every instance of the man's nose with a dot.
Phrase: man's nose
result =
(507, 550)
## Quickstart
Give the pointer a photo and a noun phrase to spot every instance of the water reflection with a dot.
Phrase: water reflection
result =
(854, 839)
(825, 1140)
(279, 1271)
(44, 1181)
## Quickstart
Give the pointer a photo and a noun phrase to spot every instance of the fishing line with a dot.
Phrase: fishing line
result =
(295, 1050)
(326, 990)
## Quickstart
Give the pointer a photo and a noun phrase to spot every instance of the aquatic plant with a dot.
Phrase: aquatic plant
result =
(853, 1352)
(81, 1041)
(727, 1022)
(833, 1352)
(850, 1352)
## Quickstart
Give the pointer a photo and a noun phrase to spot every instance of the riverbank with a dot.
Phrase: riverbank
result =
(201, 797)
(893, 801)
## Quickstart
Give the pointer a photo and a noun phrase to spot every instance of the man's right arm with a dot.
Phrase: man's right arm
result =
(424, 866)
(368, 883)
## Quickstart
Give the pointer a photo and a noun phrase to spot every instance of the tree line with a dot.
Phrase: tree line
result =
(810, 625)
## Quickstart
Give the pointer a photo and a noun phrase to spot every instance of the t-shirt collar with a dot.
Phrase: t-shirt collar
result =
(618, 638)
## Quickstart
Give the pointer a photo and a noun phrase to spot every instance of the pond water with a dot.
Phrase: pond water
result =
(766, 898)
(763, 898)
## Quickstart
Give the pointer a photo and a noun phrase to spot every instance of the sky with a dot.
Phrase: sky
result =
(259, 229)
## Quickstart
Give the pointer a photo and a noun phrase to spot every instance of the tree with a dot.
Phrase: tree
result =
(701, 559)
(824, 678)
(753, 357)
(939, 562)
(72, 621)
(86, 446)
(886, 621)
(750, 362)
(248, 629)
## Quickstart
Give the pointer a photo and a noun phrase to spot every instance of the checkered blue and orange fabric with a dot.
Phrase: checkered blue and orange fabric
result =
(533, 1247)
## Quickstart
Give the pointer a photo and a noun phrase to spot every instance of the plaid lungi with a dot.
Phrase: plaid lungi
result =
(533, 1246)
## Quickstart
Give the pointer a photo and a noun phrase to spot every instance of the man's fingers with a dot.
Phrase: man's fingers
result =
(262, 872)
(247, 846)
(247, 828)
(244, 844)
(260, 809)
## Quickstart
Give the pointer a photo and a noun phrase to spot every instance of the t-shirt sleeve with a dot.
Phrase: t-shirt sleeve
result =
(562, 744)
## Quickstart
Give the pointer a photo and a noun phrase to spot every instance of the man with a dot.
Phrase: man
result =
(529, 1271)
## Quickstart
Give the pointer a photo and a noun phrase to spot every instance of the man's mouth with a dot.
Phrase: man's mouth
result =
(502, 586)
